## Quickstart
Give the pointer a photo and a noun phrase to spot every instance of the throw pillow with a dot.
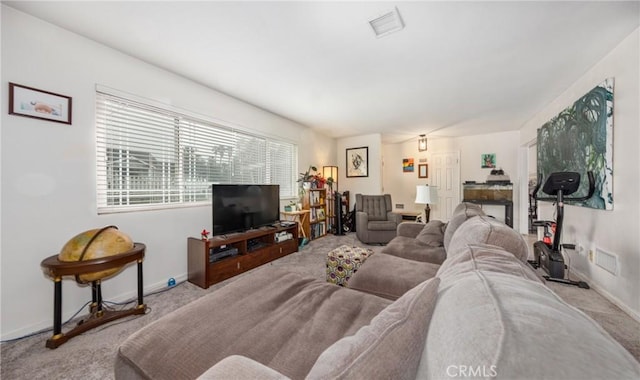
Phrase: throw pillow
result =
(432, 234)
(389, 347)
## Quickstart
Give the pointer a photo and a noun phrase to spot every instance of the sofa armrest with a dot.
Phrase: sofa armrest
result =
(410, 229)
(362, 217)
(394, 217)
(362, 220)
(240, 367)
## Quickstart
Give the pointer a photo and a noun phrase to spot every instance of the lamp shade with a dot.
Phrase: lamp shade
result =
(331, 172)
(426, 194)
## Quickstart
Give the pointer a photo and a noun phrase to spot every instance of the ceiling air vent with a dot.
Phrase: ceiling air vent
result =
(387, 23)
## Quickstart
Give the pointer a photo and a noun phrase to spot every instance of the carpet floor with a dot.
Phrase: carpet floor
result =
(91, 355)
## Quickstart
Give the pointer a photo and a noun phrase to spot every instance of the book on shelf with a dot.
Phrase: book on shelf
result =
(314, 197)
(319, 229)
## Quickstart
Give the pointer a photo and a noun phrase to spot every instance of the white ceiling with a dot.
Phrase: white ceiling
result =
(457, 68)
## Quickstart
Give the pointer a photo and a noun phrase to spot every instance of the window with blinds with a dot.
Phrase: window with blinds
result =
(149, 157)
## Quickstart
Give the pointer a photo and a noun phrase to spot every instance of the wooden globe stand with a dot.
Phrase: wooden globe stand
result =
(56, 269)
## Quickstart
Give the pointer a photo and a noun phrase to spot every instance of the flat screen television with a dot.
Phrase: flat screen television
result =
(243, 207)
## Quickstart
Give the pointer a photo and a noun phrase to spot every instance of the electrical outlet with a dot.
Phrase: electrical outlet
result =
(591, 255)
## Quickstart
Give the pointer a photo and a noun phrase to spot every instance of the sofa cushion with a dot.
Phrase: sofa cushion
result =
(464, 207)
(432, 234)
(390, 347)
(382, 225)
(412, 249)
(460, 215)
(484, 257)
(487, 230)
(410, 229)
(501, 326)
(240, 367)
(278, 318)
(390, 276)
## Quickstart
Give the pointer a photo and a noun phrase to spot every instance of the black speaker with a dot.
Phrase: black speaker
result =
(337, 204)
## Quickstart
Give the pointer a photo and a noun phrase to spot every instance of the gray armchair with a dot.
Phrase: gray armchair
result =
(375, 223)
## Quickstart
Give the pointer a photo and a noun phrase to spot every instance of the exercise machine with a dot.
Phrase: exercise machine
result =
(547, 253)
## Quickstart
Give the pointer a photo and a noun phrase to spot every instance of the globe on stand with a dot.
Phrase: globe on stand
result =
(95, 244)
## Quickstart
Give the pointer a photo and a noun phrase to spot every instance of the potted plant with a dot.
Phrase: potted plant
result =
(318, 181)
(307, 177)
(291, 206)
(304, 181)
(330, 181)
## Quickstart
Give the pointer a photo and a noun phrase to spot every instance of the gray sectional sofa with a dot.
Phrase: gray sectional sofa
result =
(416, 253)
(481, 313)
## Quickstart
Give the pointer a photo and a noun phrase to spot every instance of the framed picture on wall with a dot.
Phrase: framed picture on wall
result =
(488, 160)
(358, 162)
(407, 165)
(423, 171)
(39, 104)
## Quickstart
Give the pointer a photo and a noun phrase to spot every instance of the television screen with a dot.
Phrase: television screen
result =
(243, 207)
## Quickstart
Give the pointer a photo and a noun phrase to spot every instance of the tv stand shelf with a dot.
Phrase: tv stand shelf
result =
(255, 248)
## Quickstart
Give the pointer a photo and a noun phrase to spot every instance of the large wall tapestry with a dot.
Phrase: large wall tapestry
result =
(580, 139)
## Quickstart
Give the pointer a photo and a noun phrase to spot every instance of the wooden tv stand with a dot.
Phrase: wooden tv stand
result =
(255, 247)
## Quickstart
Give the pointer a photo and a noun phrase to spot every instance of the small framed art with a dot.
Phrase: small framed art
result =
(407, 165)
(488, 160)
(423, 171)
(39, 104)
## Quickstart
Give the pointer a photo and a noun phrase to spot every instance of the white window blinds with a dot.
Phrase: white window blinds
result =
(149, 157)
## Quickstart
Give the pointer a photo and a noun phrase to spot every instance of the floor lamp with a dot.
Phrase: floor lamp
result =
(426, 195)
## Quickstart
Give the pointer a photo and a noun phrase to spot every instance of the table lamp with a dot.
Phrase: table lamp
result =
(426, 195)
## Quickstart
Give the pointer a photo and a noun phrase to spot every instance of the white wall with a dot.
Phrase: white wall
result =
(48, 169)
(402, 186)
(616, 231)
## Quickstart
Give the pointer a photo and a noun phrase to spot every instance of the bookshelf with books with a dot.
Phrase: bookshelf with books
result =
(315, 200)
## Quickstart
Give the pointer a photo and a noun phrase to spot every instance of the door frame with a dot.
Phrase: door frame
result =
(523, 214)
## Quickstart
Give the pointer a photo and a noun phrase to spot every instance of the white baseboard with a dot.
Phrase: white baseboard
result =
(613, 299)
(45, 325)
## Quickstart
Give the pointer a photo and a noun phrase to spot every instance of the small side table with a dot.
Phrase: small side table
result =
(297, 216)
(57, 269)
(408, 215)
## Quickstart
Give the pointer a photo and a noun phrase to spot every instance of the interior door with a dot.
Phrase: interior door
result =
(445, 173)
